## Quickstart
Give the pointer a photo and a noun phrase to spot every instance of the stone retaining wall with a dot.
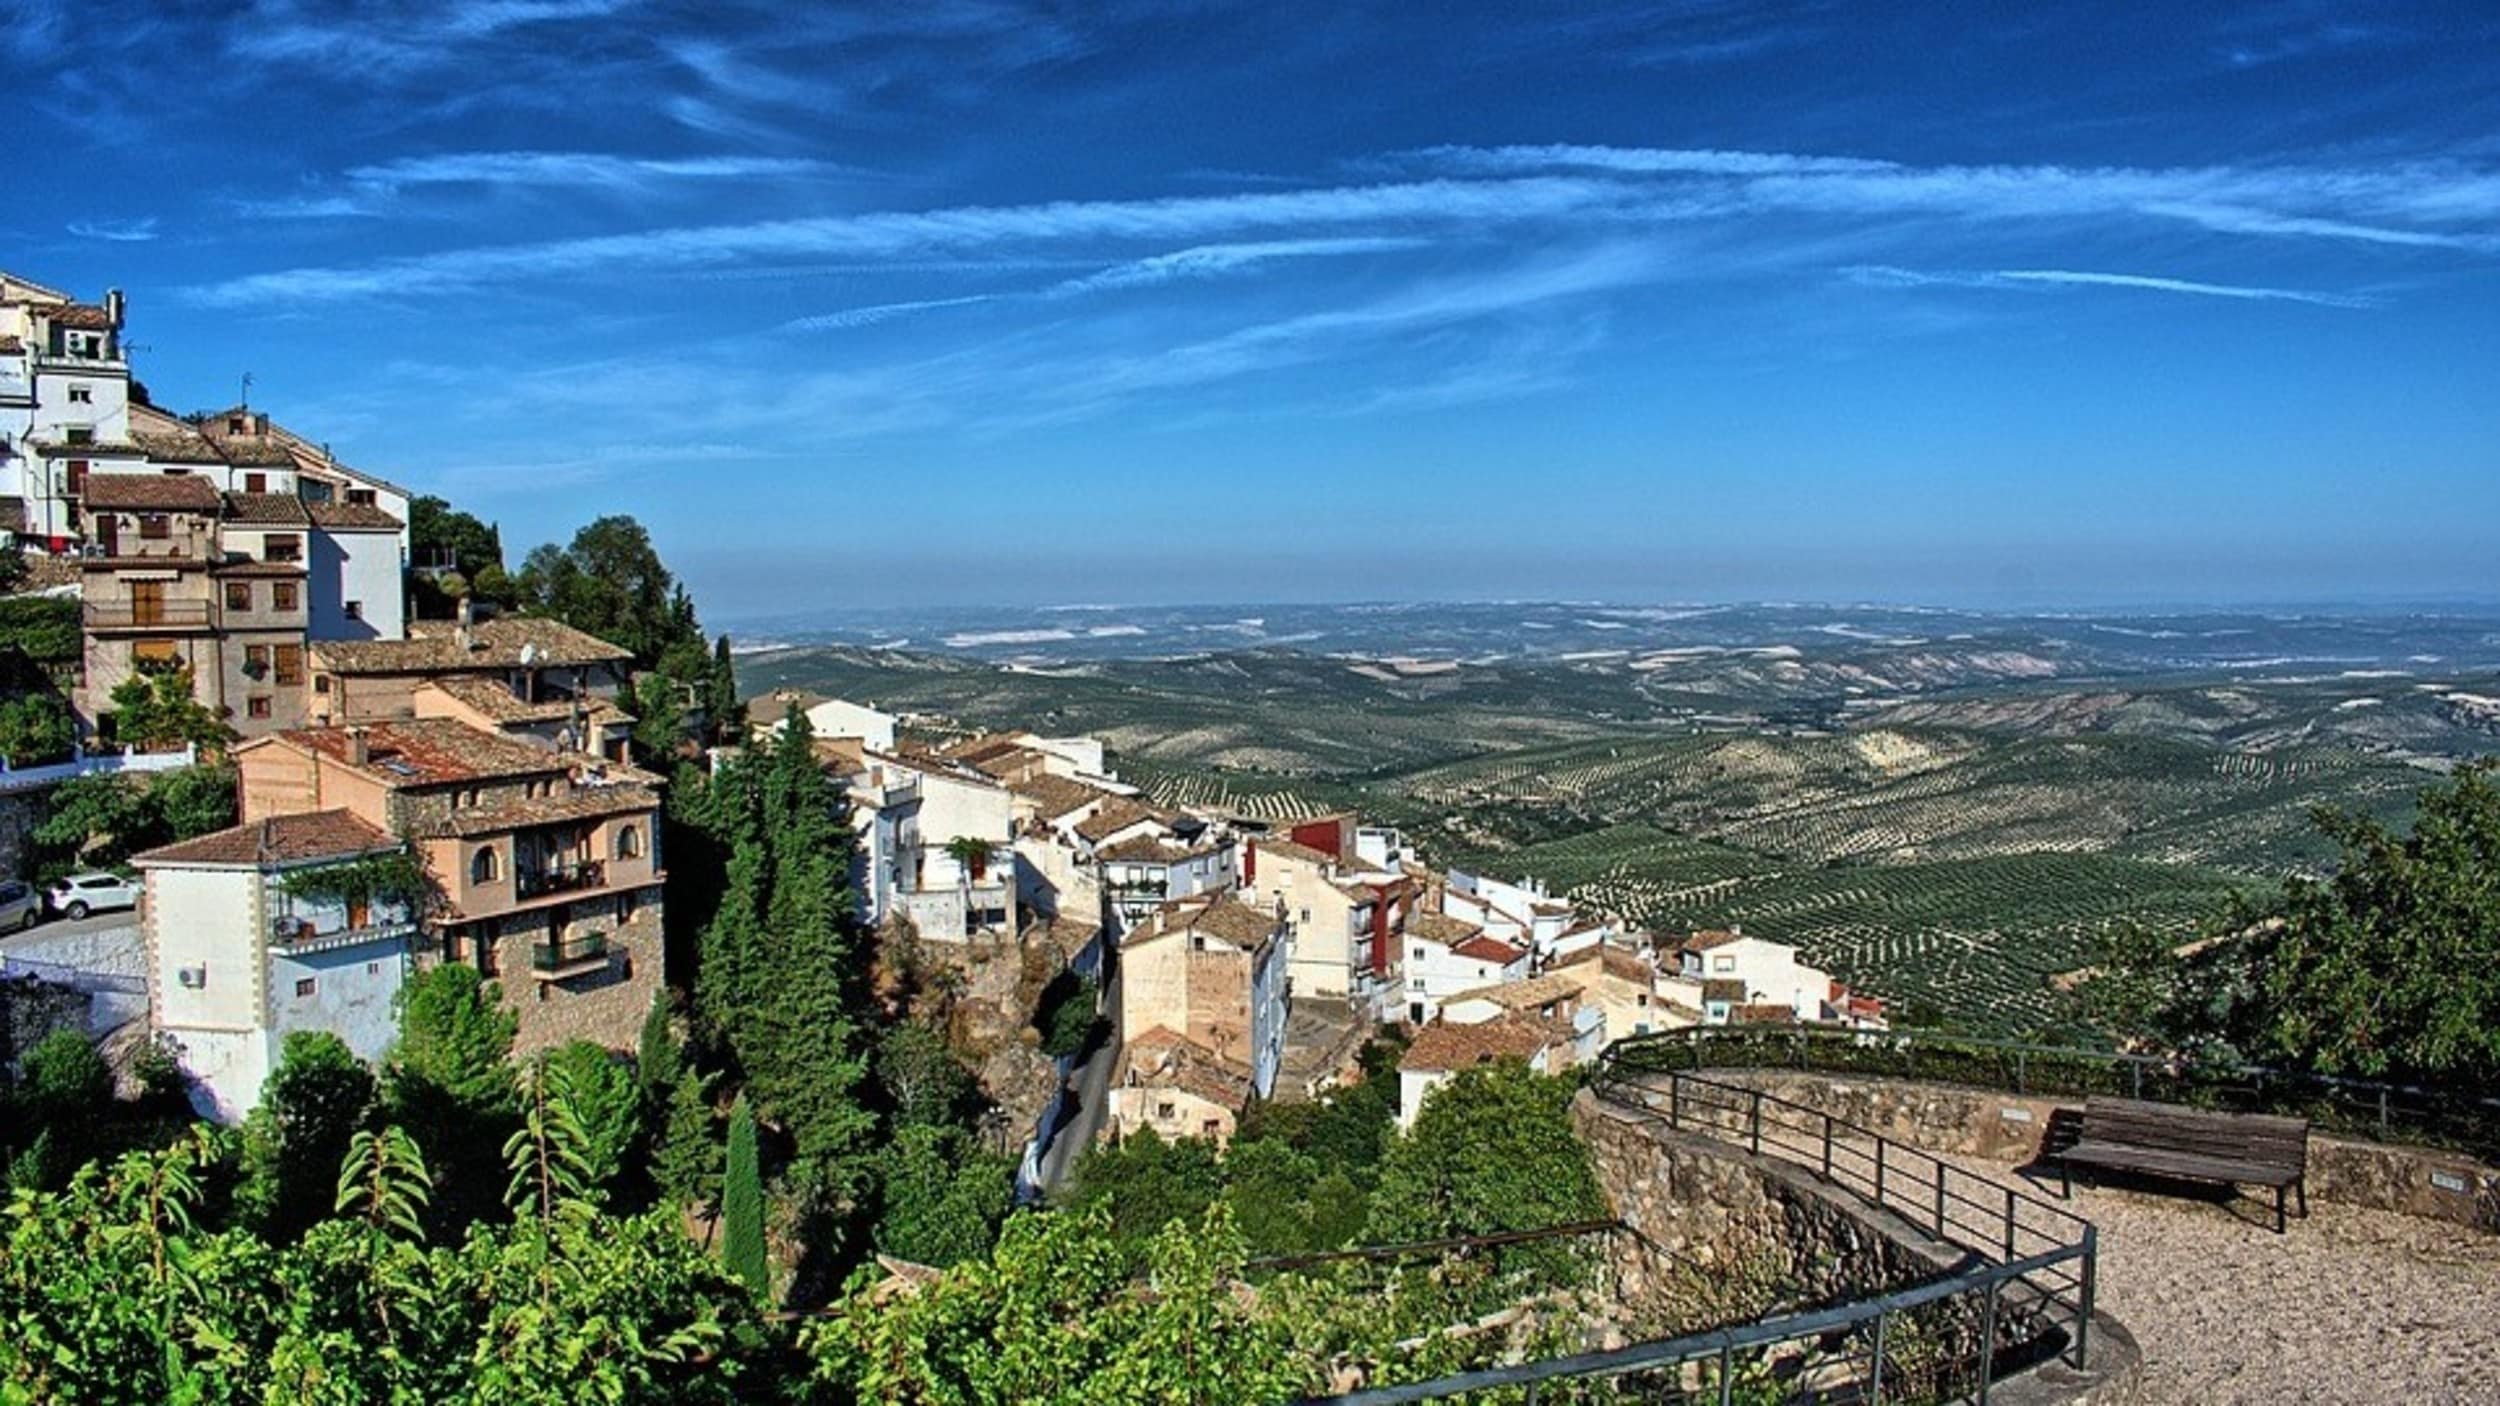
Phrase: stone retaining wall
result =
(1953, 1120)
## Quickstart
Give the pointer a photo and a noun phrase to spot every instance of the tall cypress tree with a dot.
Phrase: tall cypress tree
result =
(742, 1203)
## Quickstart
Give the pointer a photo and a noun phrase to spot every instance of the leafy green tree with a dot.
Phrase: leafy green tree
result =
(475, 548)
(449, 1081)
(659, 1062)
(1492, 1150)
(64, 1095)
(1148, 1183)
(158, 711)
(943, 1196)
(48, 632)
(686, 1163)
(720, 701)
(35, 728)
(103, 819)
(607, 1103)
(317, 1099)
(742, 1202)
(924, 1084)
(610, 582)
(1268, 1187)
(2390, 968)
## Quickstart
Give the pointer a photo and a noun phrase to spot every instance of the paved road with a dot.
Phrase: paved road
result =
(77, 942)
(1091, 1082)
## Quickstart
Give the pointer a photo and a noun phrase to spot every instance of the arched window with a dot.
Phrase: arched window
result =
(628, 842)
(483, 866)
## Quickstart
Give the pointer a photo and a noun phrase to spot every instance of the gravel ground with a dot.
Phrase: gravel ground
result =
(2351, 1306)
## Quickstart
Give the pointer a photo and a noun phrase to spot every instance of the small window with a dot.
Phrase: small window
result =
(361, 496)
(1165, 1110)
(78, 434)
(629, 842)
(256, 483)
(238, 595)
(155, 527)
(81, 395)
(355, 610)
(256, 707)
(155, 652)
(282, 595)
(624, 908)
(1723, 964)
(282, 546)
(321, 683)
(256, 660)
(483, 866)
(291, 665)
(234, 424)
(303, 986)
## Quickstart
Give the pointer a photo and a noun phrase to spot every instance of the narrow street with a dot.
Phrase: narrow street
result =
(1091, 1084)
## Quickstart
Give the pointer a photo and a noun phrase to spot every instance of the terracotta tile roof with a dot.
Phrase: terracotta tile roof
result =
(1615, 963)
(252, 452)
(494, 701)
(988, 747)
(582, 803)
(1117, 814)
(275, 508)
(86, 317)
(84, 449)
(1727, 990)
(246, 566)
(168, 447)
(1705, 939)
(1442, 1047)
(1055, 796)
(1146, 849)
(1442, 928)
(151, 493)
(352, 517)
(1299, 853)
(433, 646)
(1163, 1059)
(280, 839)
(424, 752)
(1482, 949)
(1230, 919)
(1762, 1015)
(772, 709)
(1528, 995)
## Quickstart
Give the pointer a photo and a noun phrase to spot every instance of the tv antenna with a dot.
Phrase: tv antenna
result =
(247, 390)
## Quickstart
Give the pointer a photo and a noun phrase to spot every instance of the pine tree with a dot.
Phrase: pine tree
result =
(686, 1164)
(658, 1064)
(742, 1242)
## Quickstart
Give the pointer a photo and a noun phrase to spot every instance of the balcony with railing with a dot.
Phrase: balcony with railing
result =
(300, 926)
(144, 614)
(559, 958)
(574, 877)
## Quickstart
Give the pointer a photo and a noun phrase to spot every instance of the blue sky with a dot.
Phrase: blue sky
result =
(976, 300)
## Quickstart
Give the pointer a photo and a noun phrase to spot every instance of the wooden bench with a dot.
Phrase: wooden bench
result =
(2194, 1144)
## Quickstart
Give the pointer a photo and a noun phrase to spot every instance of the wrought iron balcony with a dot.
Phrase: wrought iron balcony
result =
(572, 956)
(160, 615)
(569, 878)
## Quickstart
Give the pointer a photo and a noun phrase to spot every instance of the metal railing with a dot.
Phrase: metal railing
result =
(167, 615)
(568, 953)
(2373, 1110)
(569, 878)
(2020, 1293)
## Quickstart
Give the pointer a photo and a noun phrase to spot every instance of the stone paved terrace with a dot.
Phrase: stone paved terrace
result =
(2353, 1305)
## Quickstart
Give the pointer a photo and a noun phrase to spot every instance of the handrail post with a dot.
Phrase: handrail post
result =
(1727, 1374)
(2009, 1224)
(1875, 1379)
(1879, 1171)
(1827, 1147)
(2135, 1069)
(1941, 1171)
(1988, 1339)
(2091, 1276)
(1675, 1101)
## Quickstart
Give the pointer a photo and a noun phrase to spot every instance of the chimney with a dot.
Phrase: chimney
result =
(467, 616)
(359, 747)
(113, 307)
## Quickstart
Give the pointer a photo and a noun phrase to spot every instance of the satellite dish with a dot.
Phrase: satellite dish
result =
(529, 655)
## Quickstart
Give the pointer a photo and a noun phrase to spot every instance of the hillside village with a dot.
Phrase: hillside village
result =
(414, 792)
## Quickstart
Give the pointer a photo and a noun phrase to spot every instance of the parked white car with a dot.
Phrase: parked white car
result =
(82, 894)
(20, 906)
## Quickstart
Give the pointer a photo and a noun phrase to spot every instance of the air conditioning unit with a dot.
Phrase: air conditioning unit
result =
(193, 978)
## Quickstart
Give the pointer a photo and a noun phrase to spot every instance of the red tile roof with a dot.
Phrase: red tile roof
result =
(352, 517)
(424, 752)
(151, 493)
(278, 840)
(1442, 1047)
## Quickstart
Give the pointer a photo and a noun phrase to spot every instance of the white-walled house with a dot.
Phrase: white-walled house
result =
(235, 962)
(1750, 978)
(1442, 1049)
(1446, 955)
(937, 842)
(1522, 912)
(64, 407)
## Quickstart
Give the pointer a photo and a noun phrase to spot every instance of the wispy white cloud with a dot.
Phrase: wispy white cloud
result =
(878, 312)
(1637, 160)
(137, 231)
(1213, 260)
(577, 168)
(1886, 276)
(926, 233)
(396, 38)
